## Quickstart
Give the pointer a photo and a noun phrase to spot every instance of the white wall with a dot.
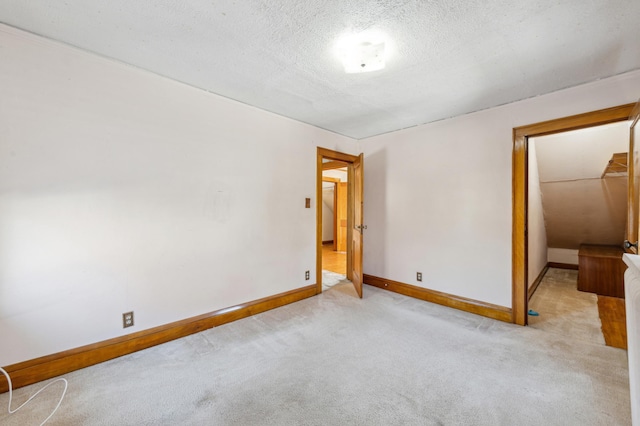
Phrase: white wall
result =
(585, 211)
(122, 190)
(559, 255)
(438, 196)
(537, 250)
(327, 213)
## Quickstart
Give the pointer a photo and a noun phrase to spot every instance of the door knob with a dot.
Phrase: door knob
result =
(628, 244)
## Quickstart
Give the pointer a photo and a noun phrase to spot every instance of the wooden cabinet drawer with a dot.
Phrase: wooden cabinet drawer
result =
(601, 270)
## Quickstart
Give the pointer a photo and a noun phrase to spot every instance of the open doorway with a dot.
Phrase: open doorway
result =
(577, 213)
(520, 180)
(339, 220)
(335, 188)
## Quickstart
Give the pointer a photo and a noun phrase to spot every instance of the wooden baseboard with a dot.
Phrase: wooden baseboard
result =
(562, 265)
(536, 283)
(462, 303)
(36, 370)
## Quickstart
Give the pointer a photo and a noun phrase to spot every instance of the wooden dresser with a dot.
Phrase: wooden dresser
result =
(601, 270)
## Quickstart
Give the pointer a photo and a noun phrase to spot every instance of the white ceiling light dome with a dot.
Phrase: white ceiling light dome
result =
(363, 52)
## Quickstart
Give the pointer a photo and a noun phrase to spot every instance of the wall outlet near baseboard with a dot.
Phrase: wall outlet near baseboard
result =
(307, 275)
(419, 276)
(127, 319)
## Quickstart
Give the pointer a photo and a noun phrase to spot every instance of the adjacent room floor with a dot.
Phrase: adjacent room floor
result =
(586, 316)
(334, 261)
(334, 266)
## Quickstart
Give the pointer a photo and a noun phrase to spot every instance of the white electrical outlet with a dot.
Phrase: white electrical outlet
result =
(127, 319)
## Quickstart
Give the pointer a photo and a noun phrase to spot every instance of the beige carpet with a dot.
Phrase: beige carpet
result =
(565, 310)
(335, 359)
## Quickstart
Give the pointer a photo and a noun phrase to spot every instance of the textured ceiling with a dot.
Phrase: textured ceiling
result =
(447, 57)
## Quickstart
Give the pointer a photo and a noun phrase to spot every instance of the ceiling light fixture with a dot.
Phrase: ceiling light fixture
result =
(364, 52)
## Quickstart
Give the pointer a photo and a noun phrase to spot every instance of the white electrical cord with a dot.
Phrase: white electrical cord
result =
(66, 384)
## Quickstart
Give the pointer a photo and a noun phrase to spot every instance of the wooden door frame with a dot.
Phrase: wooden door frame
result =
(632, 221)
(520, 186)
(337, 158)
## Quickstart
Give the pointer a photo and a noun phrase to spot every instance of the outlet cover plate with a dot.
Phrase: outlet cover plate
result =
(127, 319)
